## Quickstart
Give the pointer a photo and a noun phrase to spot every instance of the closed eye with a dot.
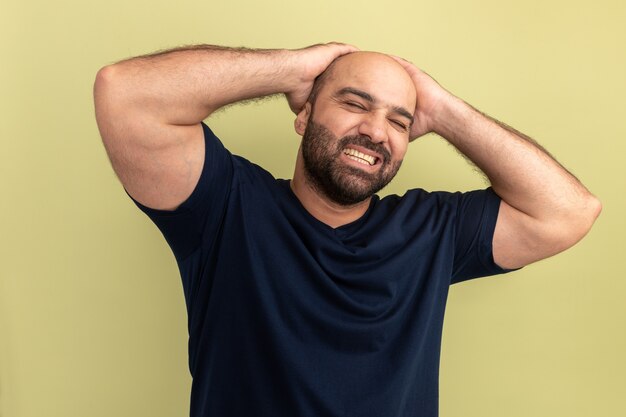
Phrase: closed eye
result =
(399, 124)
(355, 105)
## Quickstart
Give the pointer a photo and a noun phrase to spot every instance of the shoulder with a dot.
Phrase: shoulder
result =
(419, 205)
(249, 172)
(420, 199)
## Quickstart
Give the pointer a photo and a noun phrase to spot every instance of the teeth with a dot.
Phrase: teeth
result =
(360, 156)
(358, 159)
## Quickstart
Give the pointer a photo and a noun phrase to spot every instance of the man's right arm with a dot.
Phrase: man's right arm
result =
(149, 108)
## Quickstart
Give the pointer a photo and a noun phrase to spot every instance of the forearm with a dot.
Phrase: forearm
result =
(521, 172)
(183, 86)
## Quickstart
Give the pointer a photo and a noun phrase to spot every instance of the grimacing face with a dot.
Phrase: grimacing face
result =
(344, 184)
(357, 127)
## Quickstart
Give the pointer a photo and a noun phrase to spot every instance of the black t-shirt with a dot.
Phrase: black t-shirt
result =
(289, 317)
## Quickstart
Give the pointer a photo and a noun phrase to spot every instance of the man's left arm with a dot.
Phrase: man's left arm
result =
(544, 208)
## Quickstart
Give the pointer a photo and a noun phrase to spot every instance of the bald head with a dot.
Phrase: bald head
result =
(374, 66)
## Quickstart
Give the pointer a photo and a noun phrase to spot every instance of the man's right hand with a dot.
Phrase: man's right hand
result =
(313, 60)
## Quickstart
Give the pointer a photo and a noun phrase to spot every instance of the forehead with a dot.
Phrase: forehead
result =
(377, 74)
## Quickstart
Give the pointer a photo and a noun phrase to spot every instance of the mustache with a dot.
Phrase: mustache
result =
(365, 142)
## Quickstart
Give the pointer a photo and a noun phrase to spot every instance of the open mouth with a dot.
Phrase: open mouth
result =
(360, 157)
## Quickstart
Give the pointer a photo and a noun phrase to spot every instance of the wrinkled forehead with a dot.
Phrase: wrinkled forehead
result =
(377, 74)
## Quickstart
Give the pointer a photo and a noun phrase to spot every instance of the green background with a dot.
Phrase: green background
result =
(92, 317)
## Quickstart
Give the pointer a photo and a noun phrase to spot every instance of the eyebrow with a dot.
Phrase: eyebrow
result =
(366, 96)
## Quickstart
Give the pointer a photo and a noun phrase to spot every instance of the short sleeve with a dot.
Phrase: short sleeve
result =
(200, 215)
(475, 223)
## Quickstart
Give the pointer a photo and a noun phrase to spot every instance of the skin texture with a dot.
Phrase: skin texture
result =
(342, 183)
(149, 111)
(354, 103)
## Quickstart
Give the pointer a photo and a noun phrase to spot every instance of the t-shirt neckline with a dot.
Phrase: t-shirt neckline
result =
(342, 230)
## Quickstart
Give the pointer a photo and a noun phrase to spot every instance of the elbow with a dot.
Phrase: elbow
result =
(595, 208)
(105, 78)
(109, 98)
(589, 212)
(102, 98)
(540, 239)
(580, 221)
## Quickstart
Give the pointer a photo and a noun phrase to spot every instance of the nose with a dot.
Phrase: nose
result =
(375, 127)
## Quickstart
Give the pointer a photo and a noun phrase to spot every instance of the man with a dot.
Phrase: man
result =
(313, 297)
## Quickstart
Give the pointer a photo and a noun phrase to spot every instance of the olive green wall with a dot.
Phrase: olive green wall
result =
(92, 317)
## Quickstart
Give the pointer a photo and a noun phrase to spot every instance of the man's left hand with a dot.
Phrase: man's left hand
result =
(430, 98)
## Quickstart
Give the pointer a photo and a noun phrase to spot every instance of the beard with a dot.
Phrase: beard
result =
(343, 184)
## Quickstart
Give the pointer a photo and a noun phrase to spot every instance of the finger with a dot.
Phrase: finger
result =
(398, 58)
(343, 44)
(344, 48)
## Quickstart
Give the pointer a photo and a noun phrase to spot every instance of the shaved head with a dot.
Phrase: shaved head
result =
(356, 62)
(363, 104)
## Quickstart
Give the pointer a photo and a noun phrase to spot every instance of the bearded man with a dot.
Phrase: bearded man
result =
(313, 296)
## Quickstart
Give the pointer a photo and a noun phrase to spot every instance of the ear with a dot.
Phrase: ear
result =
(302, 119)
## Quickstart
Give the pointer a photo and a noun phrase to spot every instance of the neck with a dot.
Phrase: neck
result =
(320, 206)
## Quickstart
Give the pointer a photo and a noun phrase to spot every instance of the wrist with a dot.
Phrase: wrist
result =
(450, 116)
(294, 72)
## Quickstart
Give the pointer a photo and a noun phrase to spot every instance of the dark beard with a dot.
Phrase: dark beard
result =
(345, 185)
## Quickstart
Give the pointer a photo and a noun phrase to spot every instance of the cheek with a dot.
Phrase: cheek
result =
(341, 123)
(399, 148)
